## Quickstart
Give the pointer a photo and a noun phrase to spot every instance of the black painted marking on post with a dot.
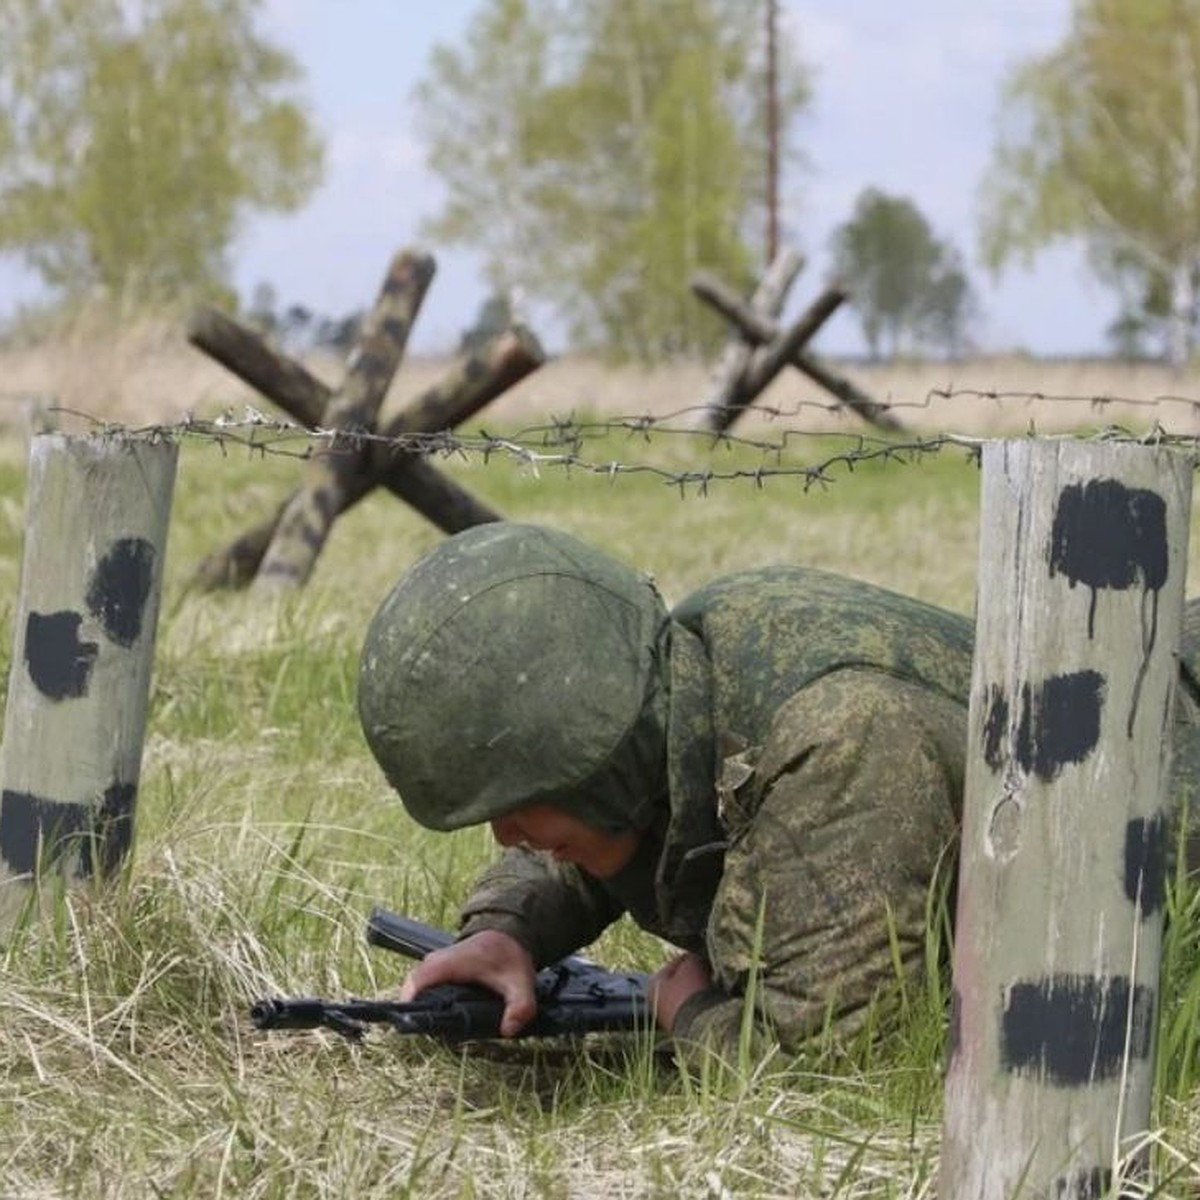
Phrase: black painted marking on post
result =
(112, 830)
(1146, 862)
(1072, 1029)
(1106, 535)
(1060, 722)
(995, 726)
(1092, 1183)
(120, 587)
(26, 818)
(33, 825)
(59, 661)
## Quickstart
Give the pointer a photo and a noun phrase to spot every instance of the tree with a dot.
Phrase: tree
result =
(262, 314)
(1101, 144)
(908, 287)
(597, 155)
(339, 333)
(1144, 319)
(134, 138)
(950, 306)
(494, 317)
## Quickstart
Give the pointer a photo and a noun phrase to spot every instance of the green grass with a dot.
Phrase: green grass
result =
(265, 833)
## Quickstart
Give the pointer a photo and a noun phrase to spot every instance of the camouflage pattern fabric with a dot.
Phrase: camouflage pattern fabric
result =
(1185, 747)
(851, 809)
(516, 665)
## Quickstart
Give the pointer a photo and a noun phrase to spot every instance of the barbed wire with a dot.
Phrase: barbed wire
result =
(778, 446)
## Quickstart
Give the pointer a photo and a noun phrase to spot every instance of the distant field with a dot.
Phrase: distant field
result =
(147, 372)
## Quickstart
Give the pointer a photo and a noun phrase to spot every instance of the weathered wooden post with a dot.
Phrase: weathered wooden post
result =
(1065, 830)
(97, 510)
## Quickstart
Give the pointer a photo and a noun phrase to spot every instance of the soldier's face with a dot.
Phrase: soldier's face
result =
(567, 838)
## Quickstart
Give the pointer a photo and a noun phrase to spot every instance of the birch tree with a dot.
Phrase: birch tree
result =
(1100, 144)
(136, 137)
(598, 154)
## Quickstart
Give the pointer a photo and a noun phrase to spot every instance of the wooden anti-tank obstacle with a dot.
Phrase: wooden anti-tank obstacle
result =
(281, 549)
(760, 348)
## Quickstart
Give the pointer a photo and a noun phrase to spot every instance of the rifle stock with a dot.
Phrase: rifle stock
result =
(574, 996)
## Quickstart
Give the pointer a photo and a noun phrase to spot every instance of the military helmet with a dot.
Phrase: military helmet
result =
(516, 665)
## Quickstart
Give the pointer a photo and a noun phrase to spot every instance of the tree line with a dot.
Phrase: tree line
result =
(595, 156)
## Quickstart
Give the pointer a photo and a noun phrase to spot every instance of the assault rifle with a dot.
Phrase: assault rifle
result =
(574, 996)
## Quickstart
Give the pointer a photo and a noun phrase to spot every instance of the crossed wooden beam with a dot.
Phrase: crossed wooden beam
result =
(281, 550)
(760, 348)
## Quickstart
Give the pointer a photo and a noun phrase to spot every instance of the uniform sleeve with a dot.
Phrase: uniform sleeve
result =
(859, 789)
(551, 908)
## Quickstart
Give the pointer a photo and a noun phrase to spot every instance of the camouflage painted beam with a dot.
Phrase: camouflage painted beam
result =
(352, 410)
(280, 379)
(767, 361)
(414, 479)
(470, 384)
(767, 302)
(758, 330)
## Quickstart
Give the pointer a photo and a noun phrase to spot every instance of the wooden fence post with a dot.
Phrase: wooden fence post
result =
(97, 510)
(1058, 934)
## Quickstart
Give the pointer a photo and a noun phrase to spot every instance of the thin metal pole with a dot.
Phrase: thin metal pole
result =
(772, 130)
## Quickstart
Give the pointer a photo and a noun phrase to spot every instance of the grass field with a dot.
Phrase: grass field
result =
(265, 833)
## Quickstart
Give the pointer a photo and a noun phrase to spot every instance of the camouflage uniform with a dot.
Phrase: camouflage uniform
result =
(813, 731)
(1185, 749)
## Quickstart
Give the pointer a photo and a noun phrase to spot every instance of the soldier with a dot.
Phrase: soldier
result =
(768, 776)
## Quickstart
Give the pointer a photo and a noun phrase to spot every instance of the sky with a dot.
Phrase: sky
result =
(905, 99)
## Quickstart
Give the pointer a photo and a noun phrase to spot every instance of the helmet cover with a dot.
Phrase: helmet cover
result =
(516, 665)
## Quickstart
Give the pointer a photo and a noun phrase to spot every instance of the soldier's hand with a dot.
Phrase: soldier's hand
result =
(670, 986)
(491, 958)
